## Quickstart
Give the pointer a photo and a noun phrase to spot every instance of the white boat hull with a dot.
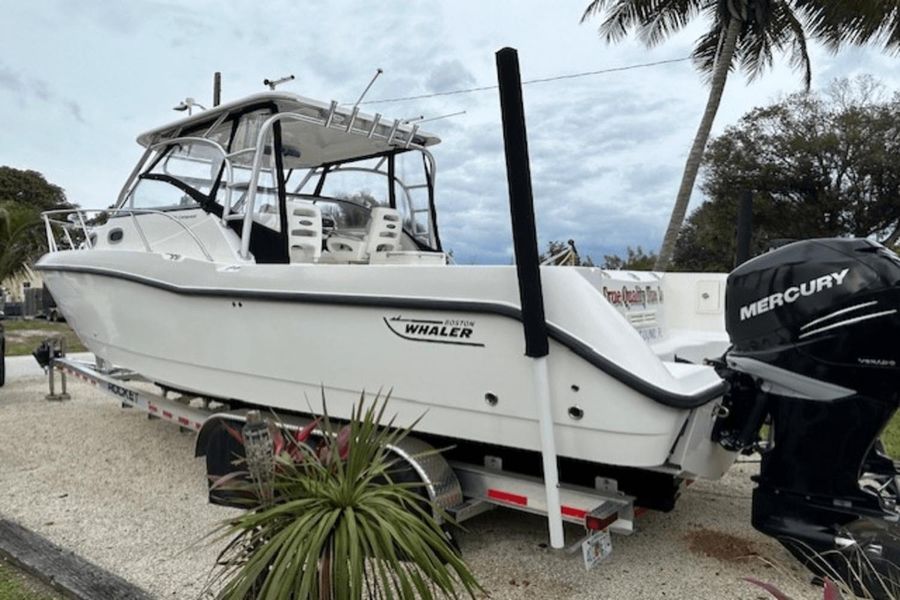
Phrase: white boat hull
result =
(443, 340)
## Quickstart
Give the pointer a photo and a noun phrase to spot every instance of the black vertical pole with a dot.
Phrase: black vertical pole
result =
(744, 228)
(521, 203)
(521, 208)
(217, 88)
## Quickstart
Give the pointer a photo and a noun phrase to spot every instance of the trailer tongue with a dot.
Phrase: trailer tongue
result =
(815, 330)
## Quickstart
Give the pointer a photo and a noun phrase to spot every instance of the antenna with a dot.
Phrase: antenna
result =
(422, 119)
(188, 104)
(217, 88)
(275, 82)
(366, 91)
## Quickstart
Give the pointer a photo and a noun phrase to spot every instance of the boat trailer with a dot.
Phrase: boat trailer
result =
(461, 489)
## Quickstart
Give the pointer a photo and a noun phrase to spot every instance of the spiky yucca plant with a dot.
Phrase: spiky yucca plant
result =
(339, 526)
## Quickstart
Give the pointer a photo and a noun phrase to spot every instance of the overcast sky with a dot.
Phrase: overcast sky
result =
(80, 80)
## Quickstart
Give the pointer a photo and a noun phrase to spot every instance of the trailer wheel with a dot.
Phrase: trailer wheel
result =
(222, 451)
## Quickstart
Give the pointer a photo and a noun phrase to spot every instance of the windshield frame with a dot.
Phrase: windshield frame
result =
(268, 137)
(321, 173)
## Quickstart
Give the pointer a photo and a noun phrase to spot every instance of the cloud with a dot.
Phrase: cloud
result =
(11, 81)
(26, 89)
(449, 75)
(601, 171)
(606, 150)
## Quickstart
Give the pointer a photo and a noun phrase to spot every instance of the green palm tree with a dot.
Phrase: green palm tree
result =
(743, 34)
(20, 238)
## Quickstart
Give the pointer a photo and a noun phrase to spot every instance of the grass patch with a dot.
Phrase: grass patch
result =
(890, 437)
(22, 336)
(16, 586)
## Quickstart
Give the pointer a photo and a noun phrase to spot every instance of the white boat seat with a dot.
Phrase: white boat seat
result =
(304, 231)
(384, 231)
(345, 246)
(382, 235)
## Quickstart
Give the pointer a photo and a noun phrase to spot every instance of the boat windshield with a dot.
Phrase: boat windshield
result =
(344, 214)
(189, 172)
(217, 165)
(183, 177)
(394, 181)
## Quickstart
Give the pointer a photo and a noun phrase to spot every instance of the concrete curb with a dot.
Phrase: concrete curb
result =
(62, 569)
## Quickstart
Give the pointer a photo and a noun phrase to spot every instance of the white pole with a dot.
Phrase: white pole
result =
(548, 452)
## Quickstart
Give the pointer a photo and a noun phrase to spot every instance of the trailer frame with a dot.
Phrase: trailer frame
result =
(463, 490)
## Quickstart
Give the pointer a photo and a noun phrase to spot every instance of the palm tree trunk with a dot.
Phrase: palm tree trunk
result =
(717, 86)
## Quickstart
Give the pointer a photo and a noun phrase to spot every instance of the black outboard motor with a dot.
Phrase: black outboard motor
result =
(815, 333)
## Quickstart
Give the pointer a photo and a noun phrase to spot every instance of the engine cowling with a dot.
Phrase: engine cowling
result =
(826, 310)
(815, 333)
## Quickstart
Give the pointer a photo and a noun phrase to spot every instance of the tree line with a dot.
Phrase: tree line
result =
(823, 164)
(24, 194)
(743, 35)
(818, 164)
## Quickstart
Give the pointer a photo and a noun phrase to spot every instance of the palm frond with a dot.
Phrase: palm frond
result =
(667, 18)
(622, 17)
(778, 29)
(594, 8)
(799, 54)
(706, 51)
(753, 54)
(769, 27)
(652, 20)
(843, 22)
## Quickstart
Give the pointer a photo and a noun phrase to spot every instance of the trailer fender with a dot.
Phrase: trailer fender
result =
(433, 470)
(212, 425)
(422, 460)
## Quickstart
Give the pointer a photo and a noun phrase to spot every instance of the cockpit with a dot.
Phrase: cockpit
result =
(296, 180)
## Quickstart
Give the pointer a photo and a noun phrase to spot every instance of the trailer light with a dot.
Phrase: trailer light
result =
(598, 524)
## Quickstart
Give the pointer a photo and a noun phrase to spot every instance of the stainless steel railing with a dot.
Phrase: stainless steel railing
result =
(81, 223)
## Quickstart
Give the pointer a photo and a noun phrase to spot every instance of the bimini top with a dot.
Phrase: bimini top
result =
(320, 133)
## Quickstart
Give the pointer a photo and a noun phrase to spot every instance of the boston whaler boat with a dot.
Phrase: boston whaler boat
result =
(272, 247)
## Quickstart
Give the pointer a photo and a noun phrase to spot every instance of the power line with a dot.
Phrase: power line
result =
(530, 81)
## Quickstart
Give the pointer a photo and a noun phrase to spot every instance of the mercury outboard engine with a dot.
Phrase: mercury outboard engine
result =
(815, 333)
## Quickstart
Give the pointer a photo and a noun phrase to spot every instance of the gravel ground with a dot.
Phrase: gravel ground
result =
(128, 494)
